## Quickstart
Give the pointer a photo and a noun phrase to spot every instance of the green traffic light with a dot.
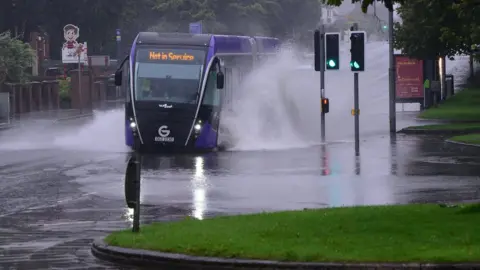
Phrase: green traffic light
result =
(355, 65)
(331, 63)
(385, 27)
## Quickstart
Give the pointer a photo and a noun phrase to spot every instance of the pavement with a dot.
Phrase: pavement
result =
(62, 186)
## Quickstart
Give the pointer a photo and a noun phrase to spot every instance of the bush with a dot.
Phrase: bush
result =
(15, 57)
(64, 87)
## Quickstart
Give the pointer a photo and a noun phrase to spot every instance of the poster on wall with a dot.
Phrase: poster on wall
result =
(408, 78)
(72, 49)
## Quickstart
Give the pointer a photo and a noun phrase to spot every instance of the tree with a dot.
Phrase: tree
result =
(97, 20)
(468, 12)
(429, 29)
(219, 16)
(365, 3)
(15, 57)
(294, 18)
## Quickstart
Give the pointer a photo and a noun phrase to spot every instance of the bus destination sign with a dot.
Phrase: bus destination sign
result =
(170, 56)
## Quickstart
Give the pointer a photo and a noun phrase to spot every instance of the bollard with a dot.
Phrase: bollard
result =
(450, 88)
(138, 167)
(435, 89)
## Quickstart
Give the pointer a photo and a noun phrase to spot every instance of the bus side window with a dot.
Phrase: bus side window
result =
(126, 83)
(211, 96)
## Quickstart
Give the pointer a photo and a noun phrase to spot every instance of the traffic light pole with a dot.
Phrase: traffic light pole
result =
(356, 107)
(322, 80)
(391, 75)
(357, 63)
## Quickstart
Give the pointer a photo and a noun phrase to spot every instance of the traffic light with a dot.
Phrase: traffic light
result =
(316, 45)
(325, 105)
(357, 50)
(332, 50)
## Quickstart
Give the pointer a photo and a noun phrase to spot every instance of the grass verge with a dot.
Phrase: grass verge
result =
(461, 107)
(469, 138)
(448, 127)
(407, 233)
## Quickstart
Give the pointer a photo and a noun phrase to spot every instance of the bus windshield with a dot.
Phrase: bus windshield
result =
(168, 75)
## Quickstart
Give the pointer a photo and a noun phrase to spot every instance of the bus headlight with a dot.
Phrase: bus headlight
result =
(133, 126)
(197, 127)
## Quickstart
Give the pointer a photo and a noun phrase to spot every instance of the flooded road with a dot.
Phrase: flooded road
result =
(54, 202)
(62, 186)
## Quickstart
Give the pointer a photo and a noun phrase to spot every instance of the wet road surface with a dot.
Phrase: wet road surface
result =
(55, 200)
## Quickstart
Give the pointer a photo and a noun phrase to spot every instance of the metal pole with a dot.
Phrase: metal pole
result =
(80, 83)
(393, 154)
(358, 166)
(322, 78)
(138, 172)
(324, 159)
(119, 47)
(391, 73)
(356, 105)
(322, 72)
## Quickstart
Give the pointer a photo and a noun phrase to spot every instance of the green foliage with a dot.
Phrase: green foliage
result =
(431, 29)
(98, 20)
(263, 17)
(469, 13)
(463, 106)
(469, 138)
(366, 3)
(64, 87)
(15, 57)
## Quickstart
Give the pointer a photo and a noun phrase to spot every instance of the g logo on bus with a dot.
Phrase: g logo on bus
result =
(163, 131)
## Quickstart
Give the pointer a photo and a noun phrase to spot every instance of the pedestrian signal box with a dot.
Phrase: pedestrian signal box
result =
(325, 105)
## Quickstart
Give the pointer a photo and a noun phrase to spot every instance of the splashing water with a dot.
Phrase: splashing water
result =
(280, 103)
(279, 108)
(103, 133)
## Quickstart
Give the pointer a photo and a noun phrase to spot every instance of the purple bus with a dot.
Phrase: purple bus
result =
(177, 85)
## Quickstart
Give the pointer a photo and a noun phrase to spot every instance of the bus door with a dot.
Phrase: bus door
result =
(212, 100)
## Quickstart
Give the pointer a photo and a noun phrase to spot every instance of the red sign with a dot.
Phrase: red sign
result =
(408, 77)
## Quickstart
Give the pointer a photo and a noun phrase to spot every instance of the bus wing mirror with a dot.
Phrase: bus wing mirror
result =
(118, 78)
(220, 80)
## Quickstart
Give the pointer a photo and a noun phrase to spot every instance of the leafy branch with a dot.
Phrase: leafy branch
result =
(15, 57)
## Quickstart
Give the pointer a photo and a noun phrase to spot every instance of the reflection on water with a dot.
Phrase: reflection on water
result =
(393, 154)
(199, 189)
(358, 167)
(394, 169)
(324, 158)
(128, 216)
